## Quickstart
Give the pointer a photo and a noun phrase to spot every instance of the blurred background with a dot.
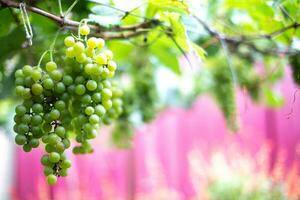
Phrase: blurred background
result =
(211, 100)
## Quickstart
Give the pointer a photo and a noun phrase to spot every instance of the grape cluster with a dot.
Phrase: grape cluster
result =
(61, 102)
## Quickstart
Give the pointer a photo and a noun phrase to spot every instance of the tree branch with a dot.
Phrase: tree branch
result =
(245, 39)
(107, 33)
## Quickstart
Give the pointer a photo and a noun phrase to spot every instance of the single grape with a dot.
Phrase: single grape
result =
(36, 75)
(67, 80)
(20, 139)
(34, 143)
(100, 43)
(48, 84)
(100, 59)
(84, 30)
(36, 120)
(96, 97)
(91, 85)
(37, 108)
(19, 73)
(69, 41)
(27, 69)
(54, 157)
(55, 114)
(107, 104)
(78, 48)
(56, 75)
(112, 65)
(60, 131)
(27, 148)
(94, 119)
(51, 179)
(60, 105)
(48, 170)
(51, 66)
(89, 110)
(45, 160)
(37, 89)
(108, 54)
(80, 89)
(106, 94)
(20, 110)
(59, 88)
(70, 52)
(100, 110)
(66, 164)
(92, 42)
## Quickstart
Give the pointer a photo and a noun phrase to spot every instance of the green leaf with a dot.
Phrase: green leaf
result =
(199, 50)
(170, 5)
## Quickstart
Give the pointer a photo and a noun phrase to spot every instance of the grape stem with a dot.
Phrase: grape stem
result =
(42, 57)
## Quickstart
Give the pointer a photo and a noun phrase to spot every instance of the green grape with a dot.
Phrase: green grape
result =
(84, 30)
(94, 119)
(60, 88)
(19, 73)
(96, 97)
(36, 75)
(23, 128)
(51, 66)
(28, 81)
(72, 98)
(79, 80)
(48, 170)
(66, 143)
(45, 160)
(107, 104)
(60, 131)
(100, 110)
(60, 105)
(67, 80)
(80, 89)
(20, 139)
(89, 110)
(100, 59)
(34, 143)
(27, 148)
(78, 48)
(100, 43)
(63, 172)
(55, 114)
(54, 157)
(37, 108)
(20, 110)
(48, 84)
(26, 119)
(92, 42)
(27, 69)
(69, 41)
(56, 75)
(91, 85)
(36, 120)
(86, 99)
(37, 89)
(88, 68)
(112, 65)
(51, 179)
(65, 164)
(108, 54)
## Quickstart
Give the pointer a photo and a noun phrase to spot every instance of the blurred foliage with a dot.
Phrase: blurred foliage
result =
(229, 38)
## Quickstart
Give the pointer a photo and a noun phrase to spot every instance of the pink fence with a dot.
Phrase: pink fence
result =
(159, 164)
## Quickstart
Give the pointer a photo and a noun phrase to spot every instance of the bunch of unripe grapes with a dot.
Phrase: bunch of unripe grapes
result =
(72, 100)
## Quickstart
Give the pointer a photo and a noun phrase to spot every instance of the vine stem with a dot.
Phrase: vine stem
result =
(113, 32)
(42, 57)
(60, 8)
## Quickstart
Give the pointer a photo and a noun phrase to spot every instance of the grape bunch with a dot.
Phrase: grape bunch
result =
(68, 101)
